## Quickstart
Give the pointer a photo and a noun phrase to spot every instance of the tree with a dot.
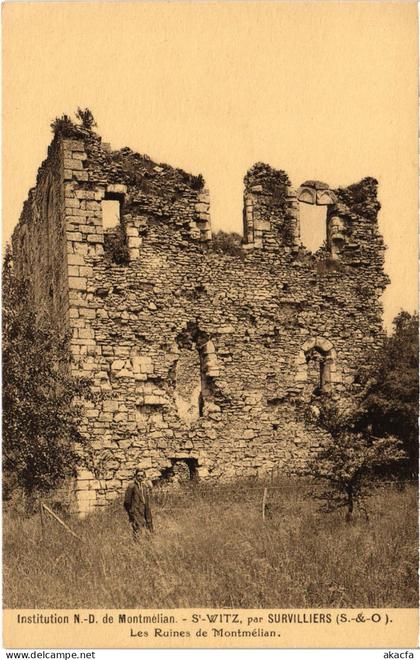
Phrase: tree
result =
(391, 388)
(86, 117)
(40, 416)
(349, 458)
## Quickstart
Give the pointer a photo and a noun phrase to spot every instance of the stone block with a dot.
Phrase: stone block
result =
(75, 260)
(225, 329)
(72, 203)
(88, 313)
(86, 271)
(144, 463)
(91, 413)
(308, 345)
(80, 248)
(204, 197)
(78, 283)
(306, 195)
(72, 164)
(86, 495)
(93, 206)
(325, 197)
(134, 242)
(95, 238)
(200, 207)
(152, 400)
(117, 188)
(206, 235)
(262, 225)
(125, 373)
(73, 145)
(143, 364)
(79, 175)
(73, 236)
(83, 474)
(86, 333)
(117, 365)
(324, 344)
(85, 194)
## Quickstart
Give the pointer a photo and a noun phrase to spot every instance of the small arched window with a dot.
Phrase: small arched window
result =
(316, 365)
(319, 370)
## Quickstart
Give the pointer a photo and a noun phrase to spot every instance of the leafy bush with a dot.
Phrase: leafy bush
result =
(347, 462)
(66, 127)
(40, 413)
(227, 243)
(328, 266)
(115, 246)
(197, 182)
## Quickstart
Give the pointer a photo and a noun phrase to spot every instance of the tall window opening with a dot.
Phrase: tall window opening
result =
(115, 240)
(111, 213)
(190, 377)
(319, 371)
(313, 225)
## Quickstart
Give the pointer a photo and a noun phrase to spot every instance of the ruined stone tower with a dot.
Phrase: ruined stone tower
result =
(197, 355)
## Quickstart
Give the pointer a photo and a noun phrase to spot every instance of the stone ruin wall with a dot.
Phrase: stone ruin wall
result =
(196, 355)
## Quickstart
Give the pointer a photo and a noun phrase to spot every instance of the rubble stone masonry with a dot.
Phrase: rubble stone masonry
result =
(198, 356)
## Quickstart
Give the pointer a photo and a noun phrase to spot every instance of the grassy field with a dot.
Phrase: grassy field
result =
(212, 549)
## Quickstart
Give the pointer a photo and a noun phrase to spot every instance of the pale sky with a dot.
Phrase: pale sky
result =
(322, 90)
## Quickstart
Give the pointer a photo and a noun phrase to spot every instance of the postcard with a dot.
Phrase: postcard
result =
(210, 335)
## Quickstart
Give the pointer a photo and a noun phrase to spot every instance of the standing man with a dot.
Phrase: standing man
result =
(137, 505)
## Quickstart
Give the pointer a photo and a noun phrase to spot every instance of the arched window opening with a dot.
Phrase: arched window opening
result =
(314, 197)
(313, 225)
(319, 371)
(316, 366)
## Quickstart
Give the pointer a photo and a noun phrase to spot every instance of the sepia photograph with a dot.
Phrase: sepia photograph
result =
(210, 325)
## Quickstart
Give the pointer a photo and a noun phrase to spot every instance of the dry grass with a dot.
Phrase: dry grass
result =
(212, 549)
